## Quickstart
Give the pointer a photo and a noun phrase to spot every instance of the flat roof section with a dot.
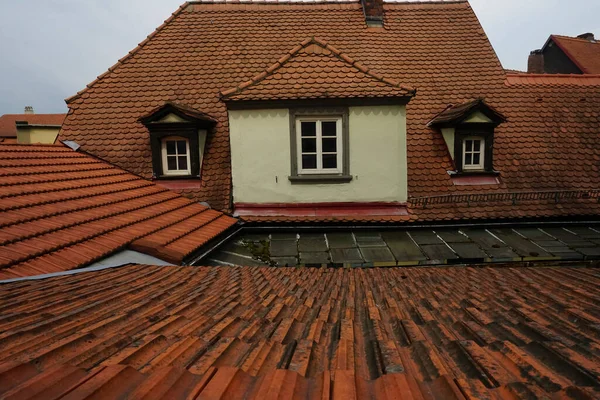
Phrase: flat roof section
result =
(387, 248)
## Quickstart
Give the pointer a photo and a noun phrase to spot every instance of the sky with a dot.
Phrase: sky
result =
(51, 49)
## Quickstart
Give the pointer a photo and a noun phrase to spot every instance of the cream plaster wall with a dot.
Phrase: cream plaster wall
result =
(261, 165)
(33, 134)
(477, 117)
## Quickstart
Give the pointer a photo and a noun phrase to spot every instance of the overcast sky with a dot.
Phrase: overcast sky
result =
(52, 48)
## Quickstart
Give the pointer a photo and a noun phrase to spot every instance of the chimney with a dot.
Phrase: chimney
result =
(587, 36)
(373, 11)
(29, 110)
(535, 65)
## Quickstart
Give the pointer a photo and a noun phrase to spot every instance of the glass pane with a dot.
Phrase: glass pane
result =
(172, 163)
(329, 145)
(329, 160)
(476, 144)
(182, 160)
(329, 128)
(309, 128)
(170, 147)
(181, 147)
(468, 159)
(309, 145)
(469, 145)
(309, 161)
(476, 158)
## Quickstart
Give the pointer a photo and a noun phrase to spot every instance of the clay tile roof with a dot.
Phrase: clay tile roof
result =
(584, 53)
(313, 70)
(61, 210)
(262, 333)
(8, 127)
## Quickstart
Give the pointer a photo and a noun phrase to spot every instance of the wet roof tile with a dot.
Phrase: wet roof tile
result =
(60, 210)
(232, 332)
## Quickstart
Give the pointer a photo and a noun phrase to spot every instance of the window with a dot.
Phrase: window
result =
(319, 140)
(175, 156)
(473, 153)
(320, 145)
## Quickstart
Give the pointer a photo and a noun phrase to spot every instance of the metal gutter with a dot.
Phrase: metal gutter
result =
(215, 246)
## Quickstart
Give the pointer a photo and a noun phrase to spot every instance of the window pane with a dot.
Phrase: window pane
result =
(468, 159)
(309, 128)
(182, 160)
(469, 145)
(172, 163)
(181, 147)
(330, 161)
(476, 144)
(329, 128)
(329, 145)
(476, 158)
(170, 147)
(309, 161)
(309, 145)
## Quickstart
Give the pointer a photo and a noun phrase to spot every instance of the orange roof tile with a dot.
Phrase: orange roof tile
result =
(584, 53)
(239, 332)
(8, 127)
(60, 210)
(316, 70)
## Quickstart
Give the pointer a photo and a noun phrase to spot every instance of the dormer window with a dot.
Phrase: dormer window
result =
(468, 130)
(176, 156)
(177, 137)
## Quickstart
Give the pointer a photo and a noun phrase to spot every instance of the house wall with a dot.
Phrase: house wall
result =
(557, 62)
(30, 134)
(261, 164)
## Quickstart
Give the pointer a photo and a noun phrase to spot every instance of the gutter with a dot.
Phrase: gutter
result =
(214, 247)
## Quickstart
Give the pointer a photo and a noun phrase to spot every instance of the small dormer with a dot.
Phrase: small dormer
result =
(468, 130)
(178, 137)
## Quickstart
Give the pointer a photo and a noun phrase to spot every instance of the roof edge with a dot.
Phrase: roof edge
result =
(131, 53)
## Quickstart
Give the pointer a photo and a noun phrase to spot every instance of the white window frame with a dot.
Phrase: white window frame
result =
(319, 138)
(165, 165)
(481, 152)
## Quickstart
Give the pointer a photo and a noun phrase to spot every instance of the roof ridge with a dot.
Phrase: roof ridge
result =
(131, 53)
(296, 50)
(573, 38)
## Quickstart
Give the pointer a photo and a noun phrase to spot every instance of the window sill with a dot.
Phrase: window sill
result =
(473, 173)
(175, 177)
(320, 178)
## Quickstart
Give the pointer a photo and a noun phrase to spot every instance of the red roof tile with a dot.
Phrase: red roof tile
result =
(549, 141)
(8, 127)
(316, 70)
(60, 210)
(198, 332)
(584, 53)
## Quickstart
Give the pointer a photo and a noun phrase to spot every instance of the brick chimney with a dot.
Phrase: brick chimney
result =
(535, 65)
(29, 110)
(587, 36)
(373, 11)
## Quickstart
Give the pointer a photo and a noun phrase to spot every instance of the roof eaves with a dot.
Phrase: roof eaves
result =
(122, 60)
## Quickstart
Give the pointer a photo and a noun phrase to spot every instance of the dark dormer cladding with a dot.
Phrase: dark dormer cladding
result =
(373, 11)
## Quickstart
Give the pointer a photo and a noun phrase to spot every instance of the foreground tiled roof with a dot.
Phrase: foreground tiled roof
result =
(316, 70)
(8, 127)
(584, 53)
(60, 210)
(198, 332)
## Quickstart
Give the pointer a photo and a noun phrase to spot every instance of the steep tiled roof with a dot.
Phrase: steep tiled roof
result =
(8, 127)
(438, 48)
(584, 53)
(183, 332)
(60, 210)
(316, 70)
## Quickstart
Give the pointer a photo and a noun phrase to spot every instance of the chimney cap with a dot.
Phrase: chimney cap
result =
(587, 36)
(29, 110)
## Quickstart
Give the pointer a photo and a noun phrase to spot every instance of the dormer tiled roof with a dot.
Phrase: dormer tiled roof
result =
(62, 210)
(316, 70)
